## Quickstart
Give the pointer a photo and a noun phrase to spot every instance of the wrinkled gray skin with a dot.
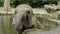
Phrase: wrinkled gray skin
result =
(24, 18)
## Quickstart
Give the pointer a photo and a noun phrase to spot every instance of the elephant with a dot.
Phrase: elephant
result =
(24, 18)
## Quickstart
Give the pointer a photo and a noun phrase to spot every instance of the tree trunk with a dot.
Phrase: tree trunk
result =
(7, 5)
(6, 17)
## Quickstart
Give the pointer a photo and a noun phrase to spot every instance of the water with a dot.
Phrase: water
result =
(11, 28)
(1, 24)
(12, 31)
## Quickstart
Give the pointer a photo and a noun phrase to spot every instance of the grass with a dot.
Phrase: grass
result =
(1, 8)
(49, 25)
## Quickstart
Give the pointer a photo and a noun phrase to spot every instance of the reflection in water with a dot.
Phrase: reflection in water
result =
(1, 24)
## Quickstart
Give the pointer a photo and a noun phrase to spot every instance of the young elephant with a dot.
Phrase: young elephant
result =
(24, 19)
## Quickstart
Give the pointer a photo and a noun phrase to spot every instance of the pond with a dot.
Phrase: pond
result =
(48, 25)
(12, 30)
(1, 24)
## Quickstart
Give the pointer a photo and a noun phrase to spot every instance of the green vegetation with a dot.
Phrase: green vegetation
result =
(1, 3)
(33, 3)
(1, 8)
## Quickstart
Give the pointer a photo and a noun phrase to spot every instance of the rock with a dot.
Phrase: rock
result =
(52, 8)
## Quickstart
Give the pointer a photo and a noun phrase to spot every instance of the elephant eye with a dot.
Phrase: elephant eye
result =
(15, 12)
(28, 12)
